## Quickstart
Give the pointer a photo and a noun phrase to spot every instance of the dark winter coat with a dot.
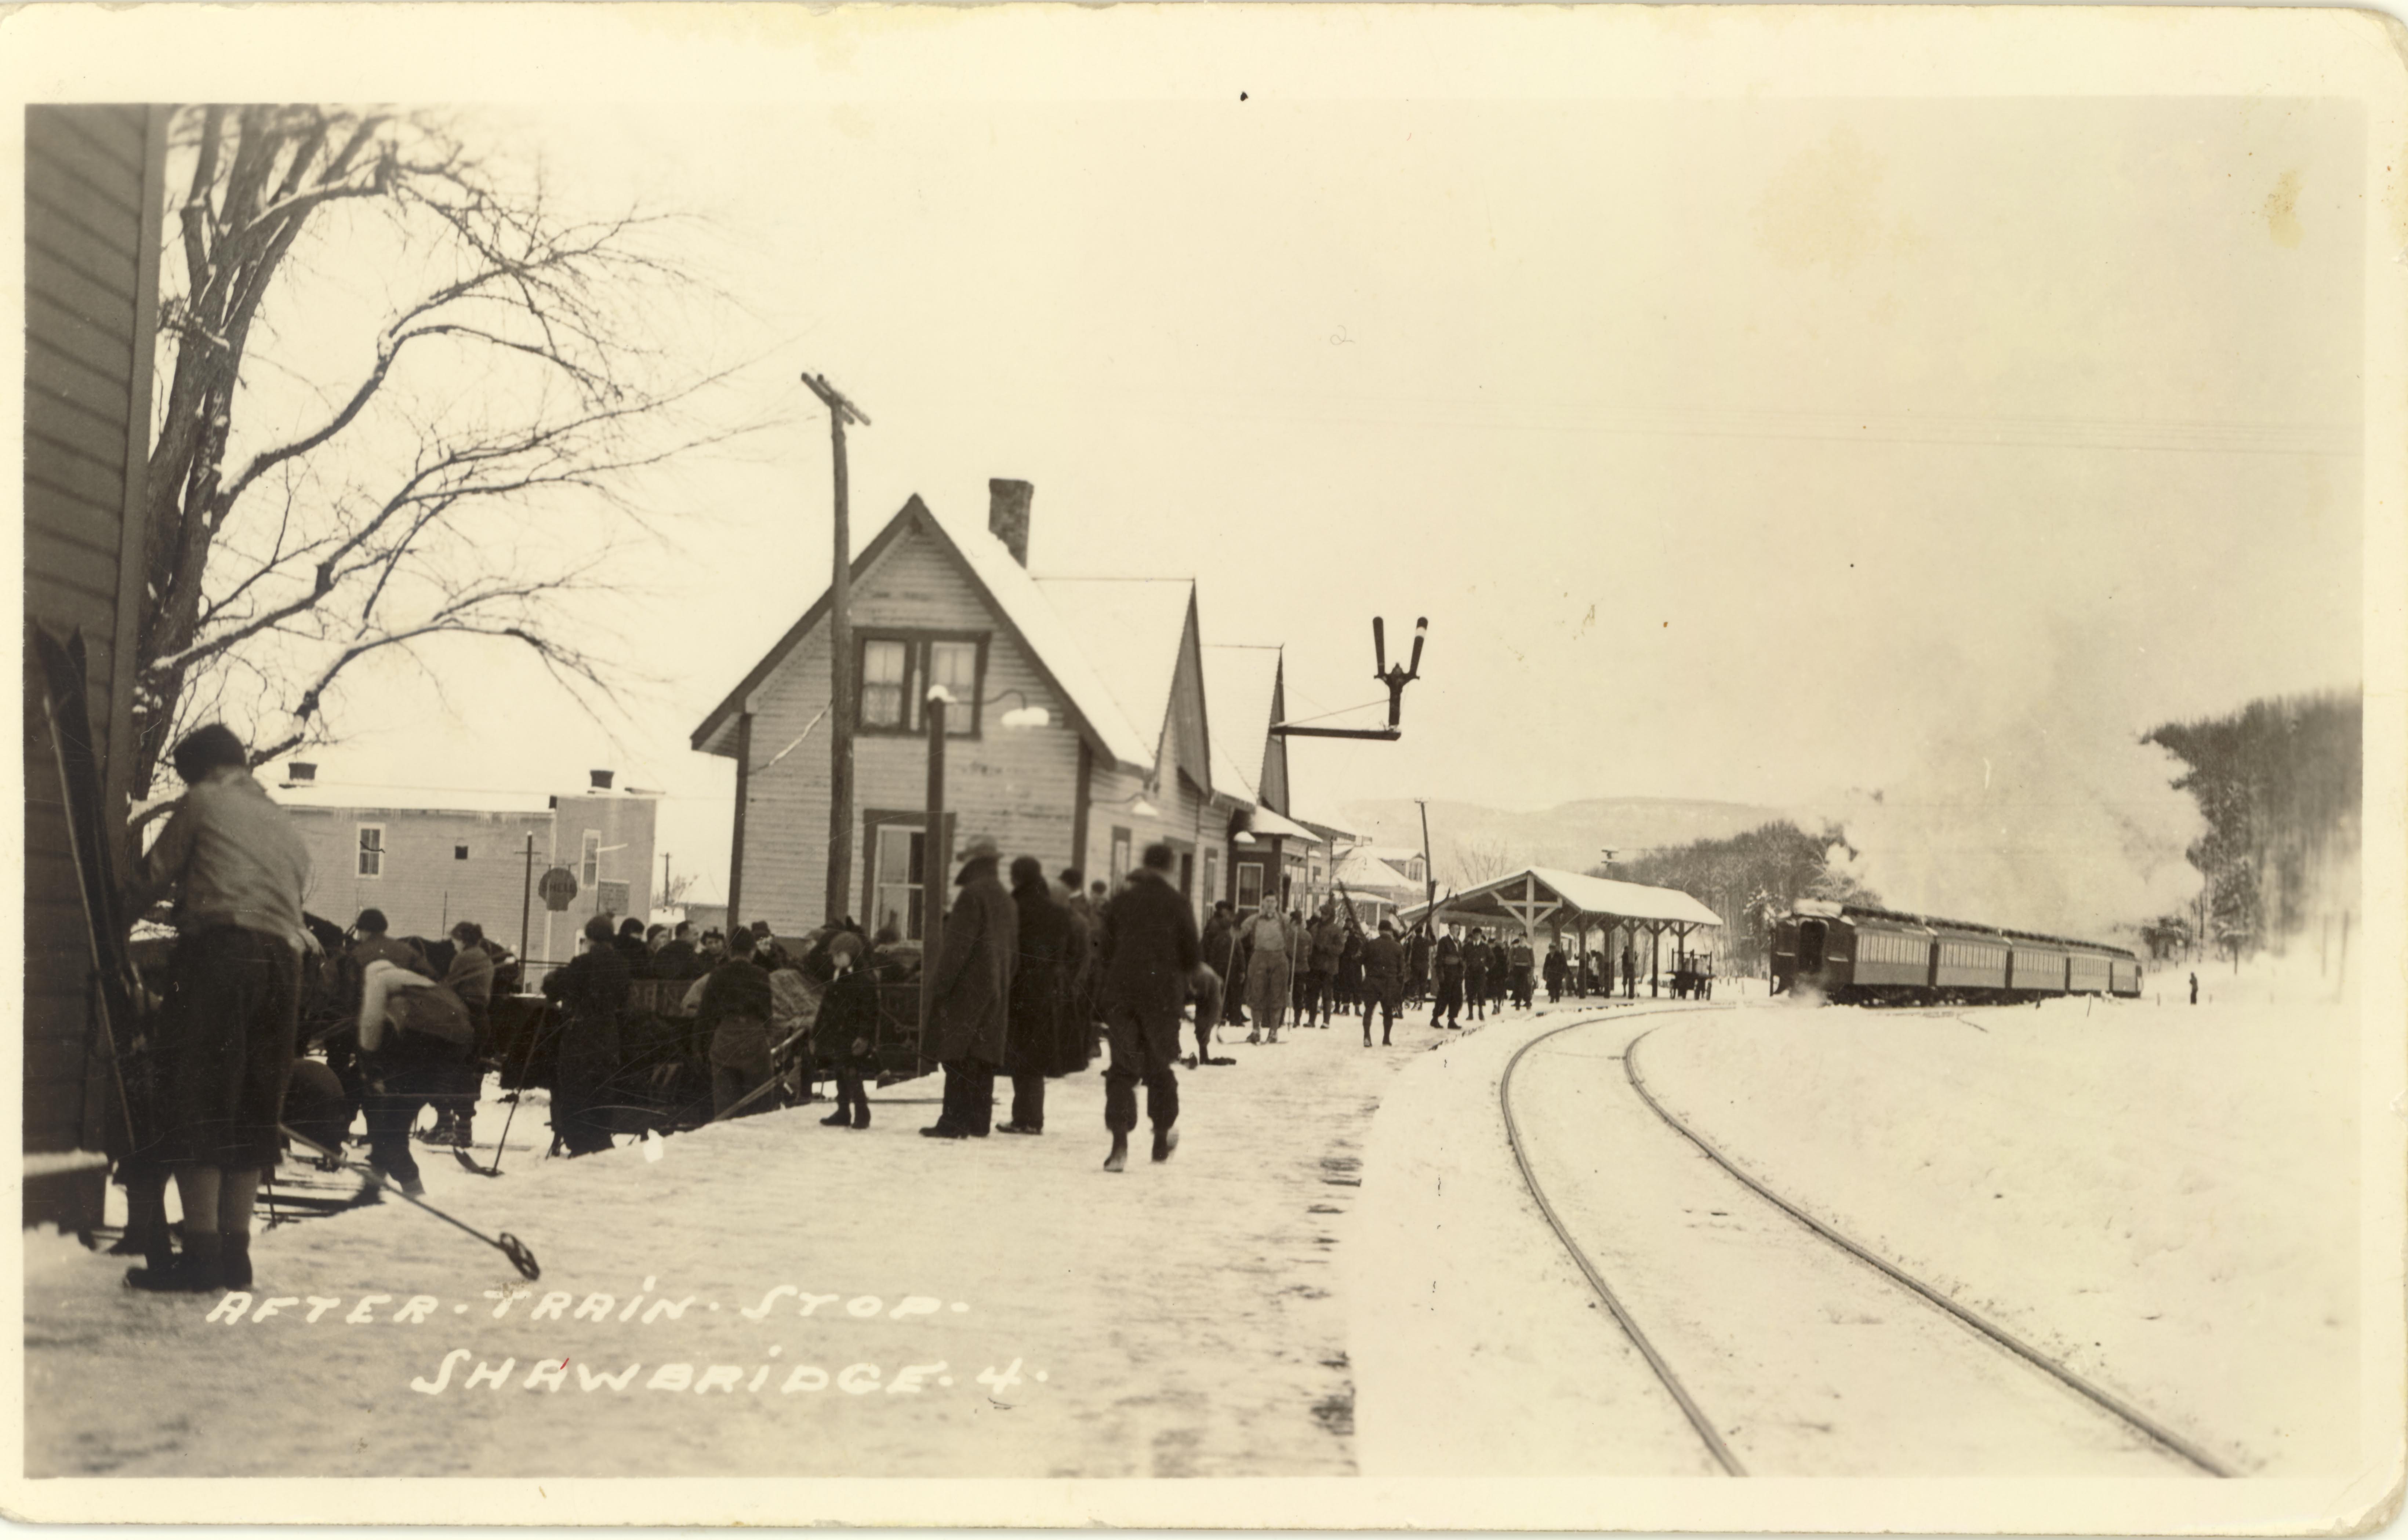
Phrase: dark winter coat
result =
(1554, 974)
(971, 991)
(1383, 962)
(1349, 962)
(1078, 965)
(1417, 956)
(1329, 940)
(735, 989)
(1150, 947)
(592, 988)
(1475, 966)
(1037, 1040)
(1450, 959)
(678, 960)
(848, 1013)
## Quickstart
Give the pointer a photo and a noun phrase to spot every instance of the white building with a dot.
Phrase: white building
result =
(431, 857)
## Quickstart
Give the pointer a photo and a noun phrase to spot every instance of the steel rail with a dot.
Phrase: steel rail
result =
(2108, 1402)
(1671, 1382)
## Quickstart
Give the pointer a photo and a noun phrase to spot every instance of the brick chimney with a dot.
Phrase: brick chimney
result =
(601, 779)
(1007, 515)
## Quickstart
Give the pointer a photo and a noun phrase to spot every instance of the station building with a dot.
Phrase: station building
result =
(1148, 734)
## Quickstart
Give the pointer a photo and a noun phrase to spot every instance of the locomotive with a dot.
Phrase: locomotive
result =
(1853, 954)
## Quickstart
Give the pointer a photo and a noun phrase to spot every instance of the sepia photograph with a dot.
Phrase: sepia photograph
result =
(1263, 766)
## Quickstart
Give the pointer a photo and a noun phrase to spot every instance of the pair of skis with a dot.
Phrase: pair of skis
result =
(120, 1006)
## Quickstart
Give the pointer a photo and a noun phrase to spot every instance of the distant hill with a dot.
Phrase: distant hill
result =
(1572, 836)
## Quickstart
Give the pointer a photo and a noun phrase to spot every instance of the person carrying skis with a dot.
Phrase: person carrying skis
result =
(1384, 981)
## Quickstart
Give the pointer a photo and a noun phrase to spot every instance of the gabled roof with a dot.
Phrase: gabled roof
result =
(1239, 681)
(1007, 587)
(1596, 897)
(1130, 630)
(1366, 867)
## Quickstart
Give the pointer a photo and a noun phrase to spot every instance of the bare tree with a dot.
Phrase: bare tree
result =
(1471, 863)
(385, 364)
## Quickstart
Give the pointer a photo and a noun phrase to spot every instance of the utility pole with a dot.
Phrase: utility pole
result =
(1429, 869)
(840, 681)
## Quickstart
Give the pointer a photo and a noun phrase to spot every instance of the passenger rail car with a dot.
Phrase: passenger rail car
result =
(1851, 954)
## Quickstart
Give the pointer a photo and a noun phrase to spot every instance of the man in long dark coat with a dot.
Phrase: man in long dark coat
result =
(969, 994)
(1034, 1040)
(592, 993)
(1150, 953)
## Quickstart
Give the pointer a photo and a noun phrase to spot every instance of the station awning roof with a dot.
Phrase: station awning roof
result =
(1541, 894)
(1270, 823)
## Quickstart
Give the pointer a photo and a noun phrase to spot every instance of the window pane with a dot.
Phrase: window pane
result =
(591, 861)
(954, 665)
(882, 667)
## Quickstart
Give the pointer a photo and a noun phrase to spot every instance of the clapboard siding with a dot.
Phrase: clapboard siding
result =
(1018, 786)
(92, 225)
(110, 310)
(92, 144)
(64, 515)
(110, 264)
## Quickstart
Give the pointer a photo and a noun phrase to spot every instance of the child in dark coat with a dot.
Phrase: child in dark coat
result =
(846, 1029)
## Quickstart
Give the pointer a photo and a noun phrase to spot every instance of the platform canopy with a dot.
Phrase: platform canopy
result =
(1544, 895)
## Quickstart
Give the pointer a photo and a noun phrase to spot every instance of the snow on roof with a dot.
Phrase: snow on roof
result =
(1130, 628)
(1057, 650)
(365, 796)
(1268, 823)
(1238, 683)
(1589, 895)
(1306, 815)
(1365, 867)
(1074, 655)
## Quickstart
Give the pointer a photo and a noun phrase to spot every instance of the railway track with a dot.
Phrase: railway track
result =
(1659, 1362)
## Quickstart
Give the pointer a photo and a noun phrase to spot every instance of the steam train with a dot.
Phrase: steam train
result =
(1851, 954)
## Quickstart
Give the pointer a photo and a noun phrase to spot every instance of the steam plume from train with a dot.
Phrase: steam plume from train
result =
(2047, 824)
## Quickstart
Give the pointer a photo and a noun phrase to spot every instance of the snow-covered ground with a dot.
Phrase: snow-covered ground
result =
(2175, 1212)
(771, 1297)
(2165, 1195)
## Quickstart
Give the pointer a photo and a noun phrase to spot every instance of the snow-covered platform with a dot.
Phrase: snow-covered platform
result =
(773, 1297)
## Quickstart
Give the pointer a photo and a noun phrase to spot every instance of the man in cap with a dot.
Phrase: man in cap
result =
(969, 994)
(1150, 956)
(226, 1035)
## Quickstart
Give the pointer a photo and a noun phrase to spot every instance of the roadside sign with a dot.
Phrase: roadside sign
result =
(557, 887)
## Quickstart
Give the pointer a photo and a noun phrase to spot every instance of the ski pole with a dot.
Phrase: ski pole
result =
(526, 1063)
(508, 1245)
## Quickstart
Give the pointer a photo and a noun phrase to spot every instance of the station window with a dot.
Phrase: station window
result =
(896, 667)
(459, 852)
(371, 850)
(589, 864)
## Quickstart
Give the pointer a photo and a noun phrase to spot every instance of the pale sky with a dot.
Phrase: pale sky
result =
(1739, 450)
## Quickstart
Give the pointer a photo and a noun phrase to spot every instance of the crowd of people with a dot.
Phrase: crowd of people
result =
(1029, 981)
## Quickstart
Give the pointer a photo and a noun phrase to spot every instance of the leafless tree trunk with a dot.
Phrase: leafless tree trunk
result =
(327, 482)
(1472, 862)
